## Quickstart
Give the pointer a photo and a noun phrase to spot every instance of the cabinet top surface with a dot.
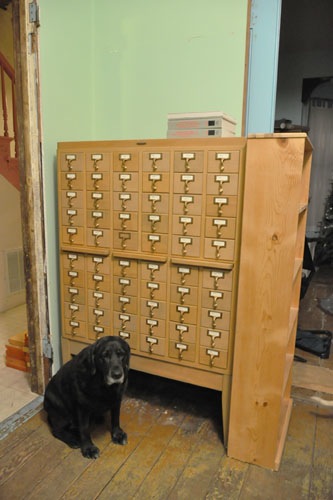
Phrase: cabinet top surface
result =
(214, 142)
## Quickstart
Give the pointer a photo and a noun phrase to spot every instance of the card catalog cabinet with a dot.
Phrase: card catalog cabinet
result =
(150, 242)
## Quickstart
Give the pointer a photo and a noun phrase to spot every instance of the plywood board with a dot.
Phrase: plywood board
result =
(312, 377)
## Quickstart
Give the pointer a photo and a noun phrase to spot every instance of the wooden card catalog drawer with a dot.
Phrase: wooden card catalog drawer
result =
(97, 161)
(126, 160)
(214, 358)
(156, 161)
(154, 346)
(182, 351)
(223, 161)
(98, 181)
(71, 162)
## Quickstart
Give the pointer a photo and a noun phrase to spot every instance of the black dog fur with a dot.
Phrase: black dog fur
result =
(86, 387)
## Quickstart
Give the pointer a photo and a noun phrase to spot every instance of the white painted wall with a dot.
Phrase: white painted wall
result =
(10, 239)
(293, 67)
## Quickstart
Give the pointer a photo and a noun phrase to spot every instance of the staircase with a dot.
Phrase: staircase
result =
(8, 124)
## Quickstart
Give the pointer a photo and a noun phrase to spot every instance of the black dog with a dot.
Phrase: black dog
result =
(87, 386)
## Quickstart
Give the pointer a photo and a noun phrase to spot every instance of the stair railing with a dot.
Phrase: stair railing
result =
(7, 70)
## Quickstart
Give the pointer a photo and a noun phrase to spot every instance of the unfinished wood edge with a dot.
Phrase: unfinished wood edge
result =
(30, 169)
(283, 434)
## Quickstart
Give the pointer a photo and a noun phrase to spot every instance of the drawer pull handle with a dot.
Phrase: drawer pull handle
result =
(185, 221)
(151, 341)
(155, 157)
(183, 291)
(153, 185)
(182, 329)
(222, 157)
(212, 355)
(74, 325)
(97, 236)
(124, 157)
(152, 305)
(153, 221)
(184, 242)
(213, 334)
(70, 159)
(153, 205)
(97, 216)
(187, 157)
(96, 157)
(124, 318)
(95, 164)
(70, 219)
(220, 202)
(221, 179)
(181, 348)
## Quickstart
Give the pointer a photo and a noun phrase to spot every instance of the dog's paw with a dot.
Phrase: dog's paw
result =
(119, 436)
(90, 451)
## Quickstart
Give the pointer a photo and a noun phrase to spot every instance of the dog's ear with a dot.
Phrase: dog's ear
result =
(87, 358)
(127, 350)
(92, 360)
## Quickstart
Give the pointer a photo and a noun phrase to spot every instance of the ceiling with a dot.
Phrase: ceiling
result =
(306, 25)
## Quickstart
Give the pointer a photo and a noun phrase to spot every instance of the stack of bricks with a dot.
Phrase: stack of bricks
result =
(17, 352)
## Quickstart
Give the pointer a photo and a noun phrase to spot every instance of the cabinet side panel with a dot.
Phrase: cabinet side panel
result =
(270, 214)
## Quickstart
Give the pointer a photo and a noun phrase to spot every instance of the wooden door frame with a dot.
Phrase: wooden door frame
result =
(29, 141)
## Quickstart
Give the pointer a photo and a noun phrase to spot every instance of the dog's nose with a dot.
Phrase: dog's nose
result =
(116, 374)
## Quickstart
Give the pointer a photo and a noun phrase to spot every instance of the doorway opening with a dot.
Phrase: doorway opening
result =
(23, 32)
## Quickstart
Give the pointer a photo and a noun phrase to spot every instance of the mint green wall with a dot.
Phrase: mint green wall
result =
(113, 70)
(66, 71)
(154, 57)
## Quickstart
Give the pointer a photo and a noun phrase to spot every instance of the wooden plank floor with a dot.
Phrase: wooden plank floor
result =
(174, 451)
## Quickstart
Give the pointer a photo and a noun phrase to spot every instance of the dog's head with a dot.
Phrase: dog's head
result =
(110, 358)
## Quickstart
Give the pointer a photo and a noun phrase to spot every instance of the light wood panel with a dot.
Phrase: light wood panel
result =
(272, 236)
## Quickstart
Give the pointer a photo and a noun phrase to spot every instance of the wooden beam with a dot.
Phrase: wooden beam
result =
(30, 166)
